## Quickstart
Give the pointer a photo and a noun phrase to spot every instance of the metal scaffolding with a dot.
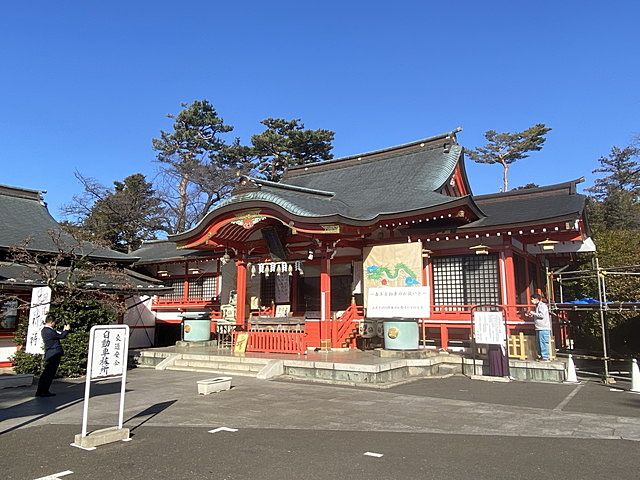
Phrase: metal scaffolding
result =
(603, 306)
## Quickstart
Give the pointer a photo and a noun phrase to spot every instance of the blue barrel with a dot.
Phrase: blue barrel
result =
(196, 329)
(401, 334)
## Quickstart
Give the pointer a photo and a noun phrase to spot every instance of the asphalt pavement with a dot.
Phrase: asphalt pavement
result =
(434, 428)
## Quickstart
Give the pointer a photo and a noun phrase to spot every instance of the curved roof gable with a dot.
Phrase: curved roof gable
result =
(362, 187)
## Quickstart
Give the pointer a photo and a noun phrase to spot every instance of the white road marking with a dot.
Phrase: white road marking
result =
(373, 454)
(615, 390)
(223, 429)
(55, 476)
(568, 398)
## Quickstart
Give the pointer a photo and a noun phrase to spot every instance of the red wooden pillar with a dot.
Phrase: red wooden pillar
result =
(509, 284)
(325, 298)
(241, 291)
(444, 337)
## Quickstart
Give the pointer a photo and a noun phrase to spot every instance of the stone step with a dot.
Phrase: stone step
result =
(147, 362)
(229, 373)
(240, 367)
(221, 365)
(225, 359)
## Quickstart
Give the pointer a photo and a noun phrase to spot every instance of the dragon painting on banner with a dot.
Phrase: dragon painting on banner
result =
(393, 284)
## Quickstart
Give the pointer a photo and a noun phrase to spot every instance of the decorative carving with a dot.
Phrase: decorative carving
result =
(249, 219)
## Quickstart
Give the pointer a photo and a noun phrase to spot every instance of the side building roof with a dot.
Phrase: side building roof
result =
(556, 202)
(154, 251)
(25, 220)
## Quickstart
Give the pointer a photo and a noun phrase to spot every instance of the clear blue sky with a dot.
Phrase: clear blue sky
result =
(86, 85)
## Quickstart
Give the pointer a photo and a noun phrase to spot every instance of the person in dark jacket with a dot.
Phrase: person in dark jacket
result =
(52, 355)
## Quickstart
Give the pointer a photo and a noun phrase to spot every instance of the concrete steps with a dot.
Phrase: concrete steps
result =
(199, 362)
(148, 358)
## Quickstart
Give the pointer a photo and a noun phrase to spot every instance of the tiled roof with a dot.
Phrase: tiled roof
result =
(153, 251)
(532, 205)
(24, 219)
(357, 189)
(22, 275)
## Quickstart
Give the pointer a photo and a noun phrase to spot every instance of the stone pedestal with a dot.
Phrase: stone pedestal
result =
(101, 437)
(213, 385)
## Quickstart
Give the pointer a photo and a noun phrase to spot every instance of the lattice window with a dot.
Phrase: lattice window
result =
(466, 280)
(203, 288)
(178, 290)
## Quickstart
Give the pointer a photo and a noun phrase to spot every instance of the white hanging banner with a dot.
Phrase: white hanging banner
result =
(40, 302)
(488, 328)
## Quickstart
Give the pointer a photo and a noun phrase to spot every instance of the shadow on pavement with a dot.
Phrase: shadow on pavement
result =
(152, 411)
(40, 407)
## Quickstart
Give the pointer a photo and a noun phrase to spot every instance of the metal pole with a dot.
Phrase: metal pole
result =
(603, 326)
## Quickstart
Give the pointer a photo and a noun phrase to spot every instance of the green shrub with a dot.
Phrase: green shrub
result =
(81, 316)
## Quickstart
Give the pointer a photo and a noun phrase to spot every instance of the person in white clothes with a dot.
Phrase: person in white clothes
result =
(542, 322)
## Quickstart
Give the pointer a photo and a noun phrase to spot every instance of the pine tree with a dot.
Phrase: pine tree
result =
(506, 148)
(618, 192)
(197, 173)
(286, 143)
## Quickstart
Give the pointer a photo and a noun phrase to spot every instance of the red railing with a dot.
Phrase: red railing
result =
(275, 342)
(458, 317)
(345, 325)
(463, 312)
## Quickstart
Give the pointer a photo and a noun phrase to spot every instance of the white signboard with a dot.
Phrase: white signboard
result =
(489, 328)
(108, 353)
(108, 345)
(40, 300)
(389, 302)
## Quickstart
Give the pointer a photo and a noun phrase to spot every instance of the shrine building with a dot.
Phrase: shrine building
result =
(293, 258)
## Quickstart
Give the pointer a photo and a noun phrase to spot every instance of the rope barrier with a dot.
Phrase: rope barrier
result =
(593, 357)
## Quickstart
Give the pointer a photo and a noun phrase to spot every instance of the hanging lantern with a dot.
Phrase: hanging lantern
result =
(290, 269)
(480, 249)
(548, 245)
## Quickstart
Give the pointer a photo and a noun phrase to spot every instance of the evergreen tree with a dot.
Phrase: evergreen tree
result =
(506, 148)
(120, 218)
(617, 193)
(286, 143)
(526, 186)
(194, 159)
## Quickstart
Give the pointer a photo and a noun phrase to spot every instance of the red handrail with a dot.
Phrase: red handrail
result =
(274, 342)
(345, 324)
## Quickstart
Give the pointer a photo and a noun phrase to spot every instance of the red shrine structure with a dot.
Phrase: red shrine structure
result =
(298, 247)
